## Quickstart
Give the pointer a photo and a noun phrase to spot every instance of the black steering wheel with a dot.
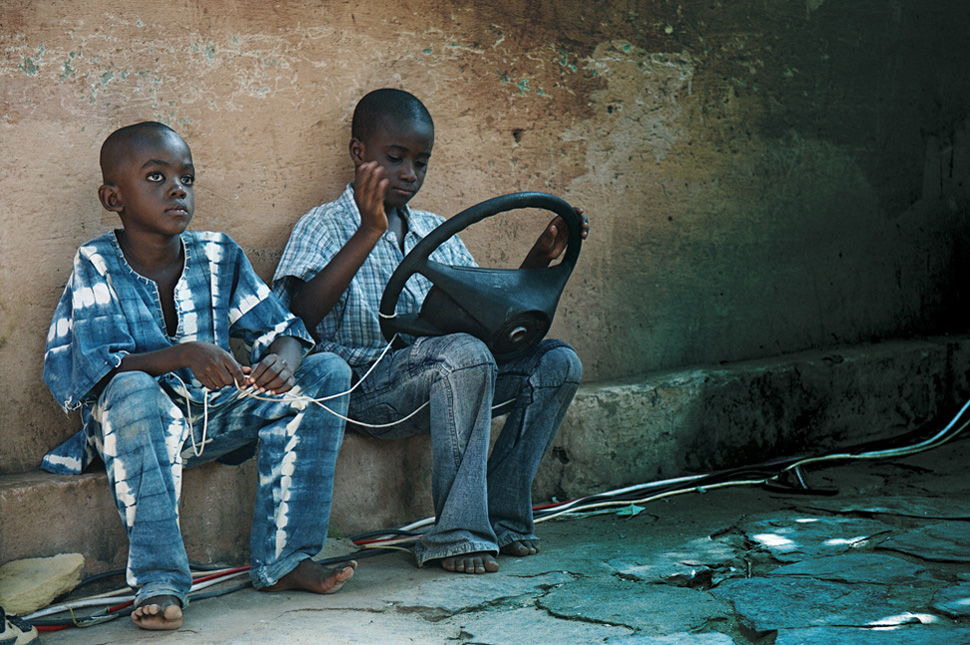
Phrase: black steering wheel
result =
(510, 310)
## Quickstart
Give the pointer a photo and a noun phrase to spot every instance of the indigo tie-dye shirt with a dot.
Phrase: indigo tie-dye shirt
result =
(108, 310)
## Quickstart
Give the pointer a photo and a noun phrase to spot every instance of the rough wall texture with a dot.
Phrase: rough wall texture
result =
(761, 177)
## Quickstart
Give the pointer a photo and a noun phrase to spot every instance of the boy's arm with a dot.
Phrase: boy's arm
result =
(213, 366)
(318, 295)
(552, 242)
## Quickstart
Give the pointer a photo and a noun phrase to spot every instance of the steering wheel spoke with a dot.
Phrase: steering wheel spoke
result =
(510, 310)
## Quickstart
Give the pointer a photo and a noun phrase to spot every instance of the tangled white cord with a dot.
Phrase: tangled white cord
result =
(251, 392)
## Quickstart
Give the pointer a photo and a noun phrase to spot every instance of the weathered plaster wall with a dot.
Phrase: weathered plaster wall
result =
(761, 177)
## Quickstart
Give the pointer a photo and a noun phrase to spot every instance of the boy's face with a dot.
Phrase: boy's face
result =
(153, 185)
(403, 151)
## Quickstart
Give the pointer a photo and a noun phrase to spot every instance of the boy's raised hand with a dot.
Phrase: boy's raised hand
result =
(370, 186)
(552, 242)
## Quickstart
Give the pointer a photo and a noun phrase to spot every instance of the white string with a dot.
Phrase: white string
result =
(205, 422)
(188, 411)
(306, 399)
(250, 392)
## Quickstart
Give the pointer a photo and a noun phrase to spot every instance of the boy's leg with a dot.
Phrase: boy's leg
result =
(298, 446)
(457, 373)
(542, 385)
(141, 434)
(296, 462)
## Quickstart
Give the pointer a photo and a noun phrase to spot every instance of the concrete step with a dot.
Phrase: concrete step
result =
(615, 434)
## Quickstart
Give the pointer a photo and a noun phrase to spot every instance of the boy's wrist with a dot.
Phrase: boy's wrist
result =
(369, 234)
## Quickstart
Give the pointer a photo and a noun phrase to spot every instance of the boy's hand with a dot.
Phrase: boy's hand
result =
(211, 365)
(553, 242)
(272, 374)
(369, 189)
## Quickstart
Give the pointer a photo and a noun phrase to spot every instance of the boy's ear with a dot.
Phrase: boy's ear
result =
(357, 151)
(110, 198)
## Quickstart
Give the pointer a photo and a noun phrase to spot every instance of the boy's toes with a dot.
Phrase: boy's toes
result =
(158, 612)
(313, 576)
(470, 563)
(521, 548)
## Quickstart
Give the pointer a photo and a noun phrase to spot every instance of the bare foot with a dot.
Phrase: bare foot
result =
(158, 612)
(481, 562)
(521, 548)
(313, 576)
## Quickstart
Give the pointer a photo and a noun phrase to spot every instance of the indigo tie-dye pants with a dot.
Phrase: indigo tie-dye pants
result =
(145, 444)
(482, 502)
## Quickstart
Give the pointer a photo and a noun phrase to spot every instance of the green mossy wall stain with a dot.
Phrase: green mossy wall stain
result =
(68, 68)
(29, 67)
(564, 60)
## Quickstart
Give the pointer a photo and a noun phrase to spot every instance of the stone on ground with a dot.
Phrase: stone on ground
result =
(30, 584)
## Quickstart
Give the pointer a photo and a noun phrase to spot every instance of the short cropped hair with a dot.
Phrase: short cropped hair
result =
(117, 141)
(387, 102)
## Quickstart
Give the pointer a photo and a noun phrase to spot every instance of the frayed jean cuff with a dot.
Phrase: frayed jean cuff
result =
(424, 554)
(508, 537)
(154, 590)
(267, 576)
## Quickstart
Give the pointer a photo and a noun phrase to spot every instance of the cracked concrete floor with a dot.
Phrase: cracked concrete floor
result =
(884, 561)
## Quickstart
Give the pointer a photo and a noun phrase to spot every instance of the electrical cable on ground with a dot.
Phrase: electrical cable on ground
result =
(770, 474)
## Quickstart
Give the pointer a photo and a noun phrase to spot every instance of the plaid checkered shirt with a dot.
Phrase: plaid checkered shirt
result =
(352, 328)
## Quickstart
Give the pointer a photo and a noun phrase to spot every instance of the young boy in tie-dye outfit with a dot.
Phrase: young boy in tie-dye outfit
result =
(140, 343)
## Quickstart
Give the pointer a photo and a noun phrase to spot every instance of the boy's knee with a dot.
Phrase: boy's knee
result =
(325, 372)
(462, 351)
(125, 386)
(560, 364)
(130, 411)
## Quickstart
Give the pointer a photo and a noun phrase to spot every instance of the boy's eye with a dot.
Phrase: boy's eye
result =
(188, 180)
(155, 176)
(393, 159)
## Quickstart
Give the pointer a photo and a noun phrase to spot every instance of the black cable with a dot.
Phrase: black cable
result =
(370, 534)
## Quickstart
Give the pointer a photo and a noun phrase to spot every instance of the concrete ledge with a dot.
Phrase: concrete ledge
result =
(694, 421)
(615, 434)
(43, 514)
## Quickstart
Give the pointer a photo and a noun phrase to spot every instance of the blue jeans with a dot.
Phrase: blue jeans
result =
(481, 502)
(145, 443)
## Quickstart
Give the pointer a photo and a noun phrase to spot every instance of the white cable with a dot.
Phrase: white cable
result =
(251, 393)
(366, 374)
(205, 422)
(91, 602)
(198, 586)
(699, 489)
(498, 405)
(571, 507)
(97, 601)
(932, 442)
(630, 489)
(306, 399)
(188, 411)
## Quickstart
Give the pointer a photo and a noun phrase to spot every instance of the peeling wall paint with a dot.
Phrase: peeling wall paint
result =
(761, 177)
